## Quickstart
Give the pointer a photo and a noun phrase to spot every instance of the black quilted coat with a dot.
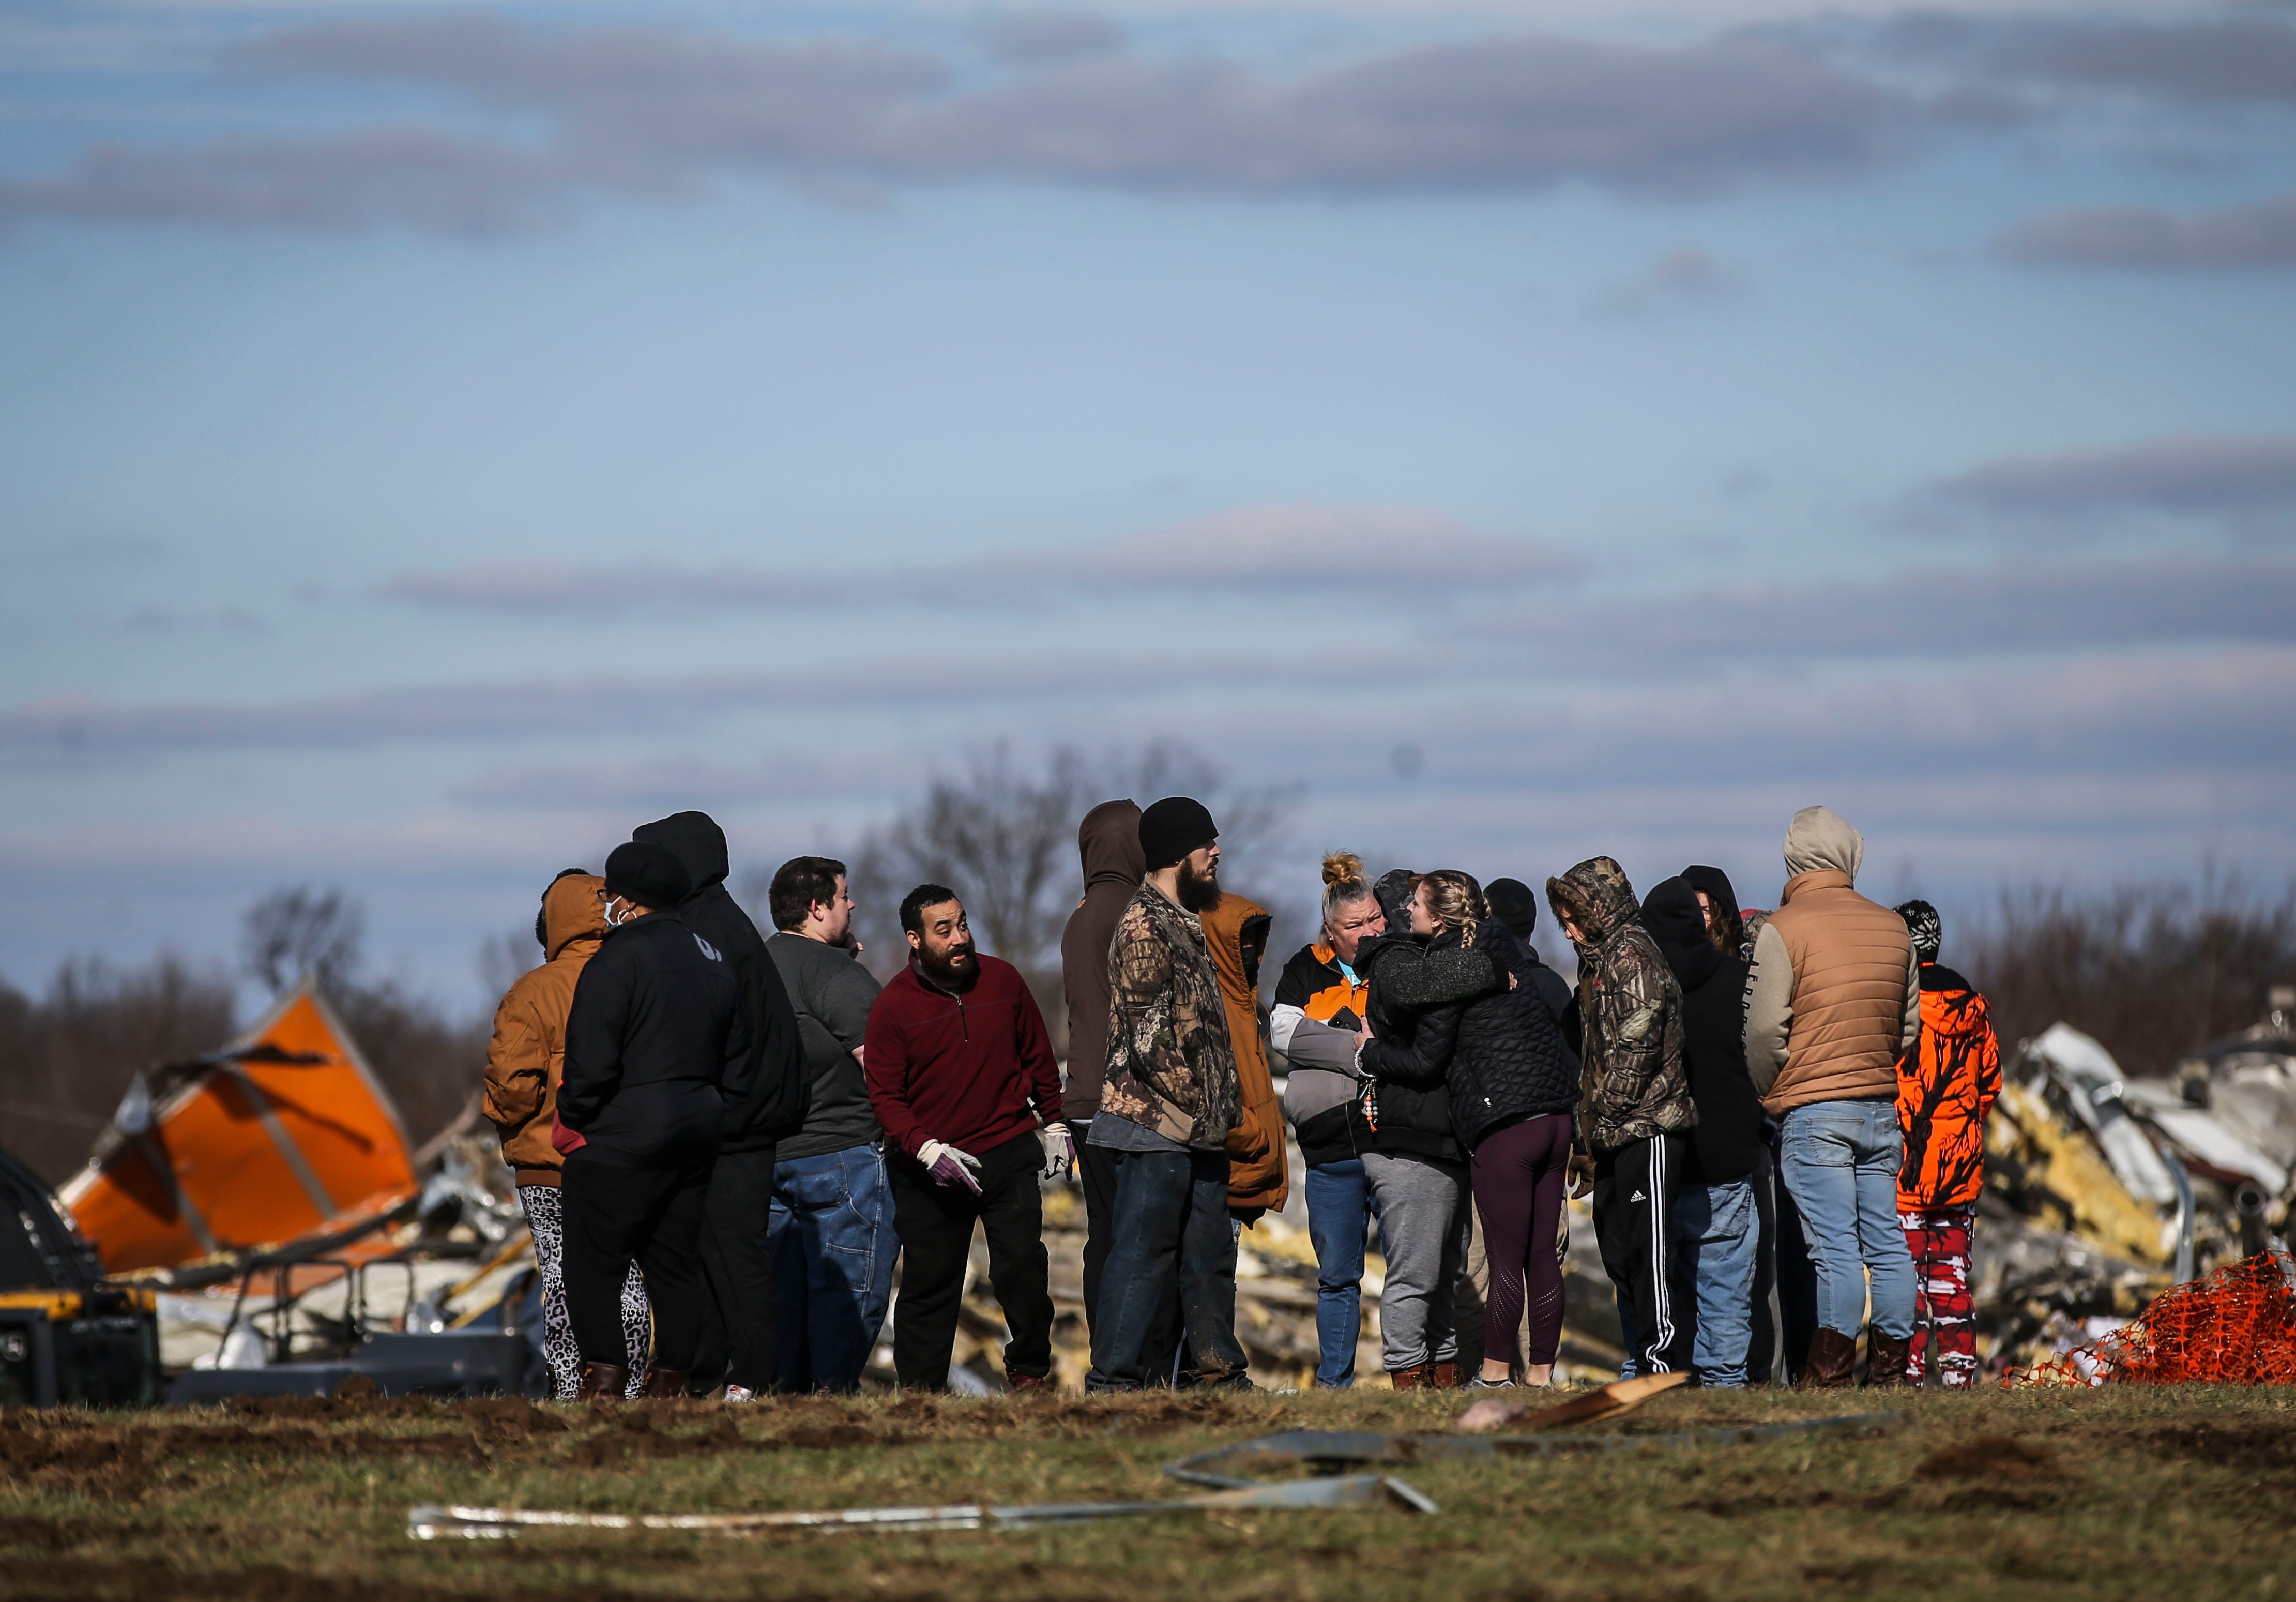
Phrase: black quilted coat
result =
(1500, 1056)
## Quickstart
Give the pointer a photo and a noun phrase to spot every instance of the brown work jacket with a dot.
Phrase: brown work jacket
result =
(527, 1056)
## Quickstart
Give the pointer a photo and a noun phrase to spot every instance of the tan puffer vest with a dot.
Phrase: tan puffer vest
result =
(1851, 956)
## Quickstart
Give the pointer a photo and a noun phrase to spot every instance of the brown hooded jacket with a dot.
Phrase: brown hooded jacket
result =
(1109, 841)
(528, 1054)
(1257, 1176)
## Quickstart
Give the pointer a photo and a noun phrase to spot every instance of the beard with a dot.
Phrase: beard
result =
(954, 969)
(1199, 895)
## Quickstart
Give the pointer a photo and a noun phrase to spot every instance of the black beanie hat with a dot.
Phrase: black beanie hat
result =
(1172, 828)
(651, 876)
(1514, 905)
(1922, 924)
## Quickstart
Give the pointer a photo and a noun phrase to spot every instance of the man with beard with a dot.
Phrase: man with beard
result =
(961, 1073)
(1170, 1097)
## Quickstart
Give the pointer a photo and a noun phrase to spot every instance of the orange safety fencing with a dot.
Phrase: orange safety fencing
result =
(2235, 1327)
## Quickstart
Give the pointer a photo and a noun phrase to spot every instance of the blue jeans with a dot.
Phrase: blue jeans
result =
(1719, 1229)
(1839, 1160)
(1171, 1238)
(831, 1233)
(1339, 1210)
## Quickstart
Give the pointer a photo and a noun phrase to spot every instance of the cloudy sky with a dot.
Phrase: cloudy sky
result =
(433, 439)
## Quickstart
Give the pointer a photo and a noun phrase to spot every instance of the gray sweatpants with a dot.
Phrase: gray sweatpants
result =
(1424, 1224)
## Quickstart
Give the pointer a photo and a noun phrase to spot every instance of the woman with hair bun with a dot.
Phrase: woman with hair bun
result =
(1322, 1004)
(1321, 1001)
(1511, 1085)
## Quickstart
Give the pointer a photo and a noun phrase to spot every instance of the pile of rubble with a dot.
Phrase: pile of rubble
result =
(2103, 1191)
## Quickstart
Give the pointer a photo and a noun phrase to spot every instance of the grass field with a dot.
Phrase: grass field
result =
(2183, 1493)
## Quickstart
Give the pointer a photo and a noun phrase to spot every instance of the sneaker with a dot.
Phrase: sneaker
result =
(740, 1393)
(1480, 1384)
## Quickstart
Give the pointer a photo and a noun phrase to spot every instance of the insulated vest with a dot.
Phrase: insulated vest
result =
(1850, 958)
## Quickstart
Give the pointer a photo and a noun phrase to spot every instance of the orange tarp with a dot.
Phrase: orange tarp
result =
(249, 1152)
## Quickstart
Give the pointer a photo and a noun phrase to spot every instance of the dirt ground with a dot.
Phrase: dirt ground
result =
(2182, 1493)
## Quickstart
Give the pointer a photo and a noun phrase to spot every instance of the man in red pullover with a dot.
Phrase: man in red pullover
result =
(961, 1073)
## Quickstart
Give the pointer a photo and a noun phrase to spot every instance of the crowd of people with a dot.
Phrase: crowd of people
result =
(723, 1141)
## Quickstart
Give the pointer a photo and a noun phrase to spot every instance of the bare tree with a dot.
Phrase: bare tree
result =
(1004, 838)
(66, 1059)
(2153, 970)
(503, 959)
(292, 933)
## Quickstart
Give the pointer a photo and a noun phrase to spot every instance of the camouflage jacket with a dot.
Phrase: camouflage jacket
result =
(1629, 1013)
(1171, 1065)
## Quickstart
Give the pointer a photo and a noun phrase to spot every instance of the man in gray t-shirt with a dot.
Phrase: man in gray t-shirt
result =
(833, 1216)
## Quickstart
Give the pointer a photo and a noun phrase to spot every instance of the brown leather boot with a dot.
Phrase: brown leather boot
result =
(1886, 1360)
(1413, 1378)
(1443, 1376)
(1832, 1361)
(1025, 1384)
(666, 1384)
(603, 1382)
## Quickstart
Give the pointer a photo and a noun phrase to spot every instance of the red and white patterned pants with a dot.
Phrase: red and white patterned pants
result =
(1938, 1239)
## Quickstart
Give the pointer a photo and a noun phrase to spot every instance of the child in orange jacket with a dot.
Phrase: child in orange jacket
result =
(1946, 1086)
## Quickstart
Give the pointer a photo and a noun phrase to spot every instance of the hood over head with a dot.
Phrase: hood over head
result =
(1597, 896)
(1109, 842)
(1511, 902)
(1819, 838)
(1393, 890)
(1677, 924)
(570, 911)
(1225, 924)
(1716, 885)
(695, 839)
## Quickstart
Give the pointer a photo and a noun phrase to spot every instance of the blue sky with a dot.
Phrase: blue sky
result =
(434, 439)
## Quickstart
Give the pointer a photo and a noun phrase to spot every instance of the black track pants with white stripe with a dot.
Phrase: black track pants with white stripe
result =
(1635, 1188)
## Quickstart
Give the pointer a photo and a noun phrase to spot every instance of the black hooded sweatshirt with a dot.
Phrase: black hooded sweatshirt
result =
(1514, 908)
(659, 1064)
(1716, 885)
(1728, 1135)
(781, 1090)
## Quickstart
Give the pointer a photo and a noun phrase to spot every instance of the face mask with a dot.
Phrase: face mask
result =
(611, 921)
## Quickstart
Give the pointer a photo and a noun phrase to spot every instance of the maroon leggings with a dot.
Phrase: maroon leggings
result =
(1518, 1173)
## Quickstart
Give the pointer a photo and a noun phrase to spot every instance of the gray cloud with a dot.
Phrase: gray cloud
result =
(2220, 61)
(647, 111)
(1686, 276)
(1734, 637)
(80, 730)
(2141, 236)
(669, 784)
(1031, 38)
(410, 177)
(2209, 61)
(1935, 611)
(1285, 548)
(2248, 482)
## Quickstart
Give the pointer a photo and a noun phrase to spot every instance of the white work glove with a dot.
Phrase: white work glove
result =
(1059, 1149)
(949, 1166)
